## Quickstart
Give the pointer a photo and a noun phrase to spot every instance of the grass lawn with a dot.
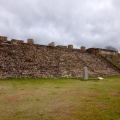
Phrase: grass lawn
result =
(60, 99)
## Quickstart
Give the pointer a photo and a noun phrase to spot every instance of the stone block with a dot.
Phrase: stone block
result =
(83, 48)
(52, 44)
(3, 39)
(30, 41)
(70, 46)
(85, 73)
(16, 42)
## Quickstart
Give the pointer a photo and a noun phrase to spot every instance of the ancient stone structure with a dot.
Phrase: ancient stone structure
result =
(70, 46)
(52, 44)
(28, 60)
(16, 42)
(30, 41)
(3, 38)
(83, 48)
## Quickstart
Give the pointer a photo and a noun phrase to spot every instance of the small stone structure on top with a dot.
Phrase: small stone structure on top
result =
(16, 42)
(3, 39)
(52, 44)
(30, 41)
(70, 46)
(83, 48)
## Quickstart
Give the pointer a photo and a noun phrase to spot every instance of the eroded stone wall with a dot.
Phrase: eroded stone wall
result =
(24, 60)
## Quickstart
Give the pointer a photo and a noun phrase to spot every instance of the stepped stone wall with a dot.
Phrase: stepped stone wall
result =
(29, 60)
(115, 60)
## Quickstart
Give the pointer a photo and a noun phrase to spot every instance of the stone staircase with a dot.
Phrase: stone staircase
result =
(115, 60)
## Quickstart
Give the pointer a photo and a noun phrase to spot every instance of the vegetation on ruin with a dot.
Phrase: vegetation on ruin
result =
(60, 99)
(111, 48)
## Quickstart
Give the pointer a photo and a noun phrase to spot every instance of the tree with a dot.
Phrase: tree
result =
(111, 48)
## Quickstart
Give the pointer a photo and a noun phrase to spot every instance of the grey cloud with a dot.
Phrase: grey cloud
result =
(94, 23)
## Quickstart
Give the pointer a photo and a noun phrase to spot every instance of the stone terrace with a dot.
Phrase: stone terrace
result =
(27, 60)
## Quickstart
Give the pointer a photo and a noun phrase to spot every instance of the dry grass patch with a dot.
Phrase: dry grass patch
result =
(60, 99)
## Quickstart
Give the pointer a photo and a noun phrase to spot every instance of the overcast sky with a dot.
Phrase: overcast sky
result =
(90, 23)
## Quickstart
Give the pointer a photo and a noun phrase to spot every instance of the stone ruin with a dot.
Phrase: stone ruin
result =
(52, 44)
(83, 48)
(30, 41)
(70, 46)
(3, 39)
(29, 60)
(16, 42)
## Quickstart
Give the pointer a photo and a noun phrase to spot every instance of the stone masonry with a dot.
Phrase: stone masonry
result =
(29, 60)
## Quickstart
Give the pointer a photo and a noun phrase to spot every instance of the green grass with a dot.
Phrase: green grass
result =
(60, 99)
